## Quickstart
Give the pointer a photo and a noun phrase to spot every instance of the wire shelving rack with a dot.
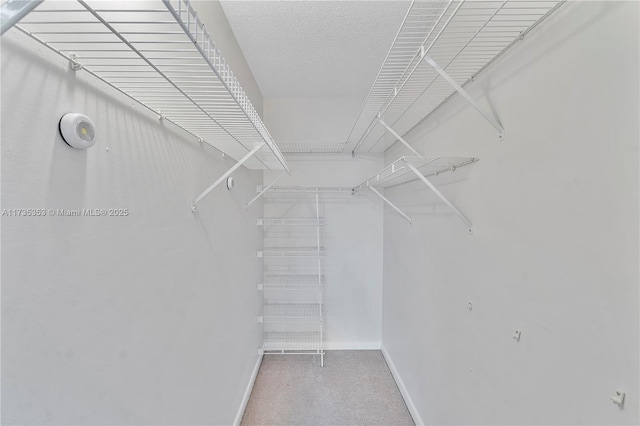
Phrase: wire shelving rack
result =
(433, 172)
(293, 285)
(440, 45)
(159, 54)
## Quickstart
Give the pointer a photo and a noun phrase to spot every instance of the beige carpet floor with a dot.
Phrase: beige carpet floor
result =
(353, 388)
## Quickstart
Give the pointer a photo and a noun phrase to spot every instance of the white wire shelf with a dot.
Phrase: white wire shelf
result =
(292, 341)
(277, 312)
(446, 169)
(311, 147)
(268, 288)
(426, 170)
(159, 54)
(287, 297)
(291, 252)
(286, 280)
(291, 222)
(312, 189)
(462, 37)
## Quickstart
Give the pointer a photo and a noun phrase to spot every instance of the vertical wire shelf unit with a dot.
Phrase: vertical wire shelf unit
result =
(440, 46)
(293, 285)
(159, 54)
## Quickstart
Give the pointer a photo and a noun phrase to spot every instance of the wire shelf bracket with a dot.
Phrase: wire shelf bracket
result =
(225, 176)
(393, 206)
(400, 138)
(495, 123)
(265, 190)
(439, 194)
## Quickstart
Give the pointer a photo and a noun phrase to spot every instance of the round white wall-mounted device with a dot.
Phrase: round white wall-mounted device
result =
(77, 130)
(230, 183)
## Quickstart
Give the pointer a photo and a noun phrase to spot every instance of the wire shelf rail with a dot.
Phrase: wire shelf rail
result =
(440, 45)
(159, 54)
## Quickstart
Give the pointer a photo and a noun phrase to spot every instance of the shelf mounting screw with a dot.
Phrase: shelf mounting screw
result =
(517, 334)
(618, 398)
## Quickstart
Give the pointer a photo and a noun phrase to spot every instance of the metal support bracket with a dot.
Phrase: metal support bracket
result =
(226, 175)
(444, 199)
(265, 190)
(400, 138)
(73, 62)
(466, 95)
(393, 206)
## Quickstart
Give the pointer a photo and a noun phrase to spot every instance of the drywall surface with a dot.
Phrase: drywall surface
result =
(315, 49)
(352, 239)
(305, 120)
(554, 251)
(143, 318)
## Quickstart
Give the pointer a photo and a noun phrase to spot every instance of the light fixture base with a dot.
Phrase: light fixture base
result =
(77, 130)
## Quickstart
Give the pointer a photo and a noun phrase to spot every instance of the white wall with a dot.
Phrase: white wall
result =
(311, 119)
(353, 243)
(555, 244)
(144, 319)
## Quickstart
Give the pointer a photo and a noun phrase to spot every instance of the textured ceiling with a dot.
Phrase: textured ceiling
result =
(328, 49)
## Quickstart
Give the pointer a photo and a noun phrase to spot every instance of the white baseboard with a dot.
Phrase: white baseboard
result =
(247, 392)
(352, 346)
(403, 390)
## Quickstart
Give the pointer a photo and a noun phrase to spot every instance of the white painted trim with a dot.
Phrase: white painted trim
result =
(352, 346)
(247, 392)
(403, 390)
